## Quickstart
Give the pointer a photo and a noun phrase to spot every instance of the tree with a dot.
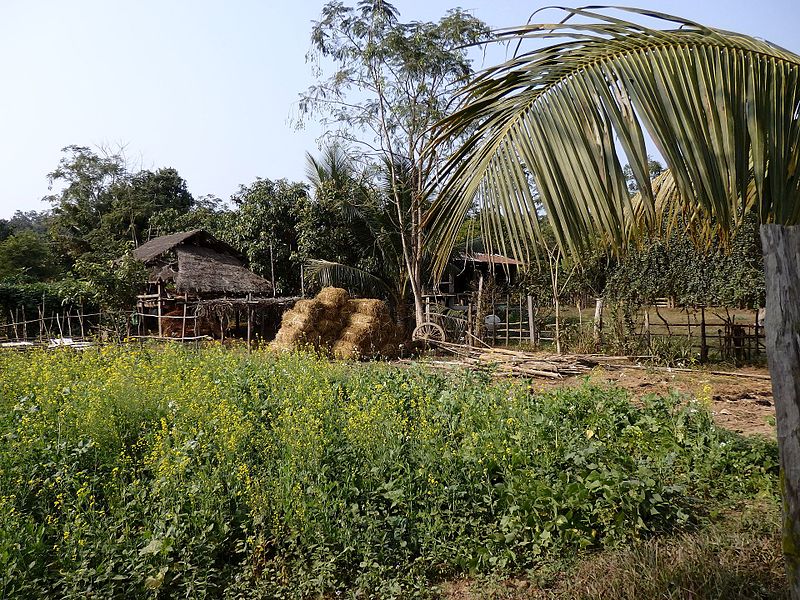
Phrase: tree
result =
(392, 81)
(654, 167)
(138, 197)
(85, 198)
(721, 107)
(28, 255)
(263, 225)
(102, 207)
(347, 234)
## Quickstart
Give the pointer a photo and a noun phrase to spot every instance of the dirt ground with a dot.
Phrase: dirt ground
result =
(741, 404)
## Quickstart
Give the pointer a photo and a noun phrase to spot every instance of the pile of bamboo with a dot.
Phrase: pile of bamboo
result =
(503, 361)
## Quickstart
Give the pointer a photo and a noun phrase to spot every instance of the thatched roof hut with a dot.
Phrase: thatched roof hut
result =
(200, 264)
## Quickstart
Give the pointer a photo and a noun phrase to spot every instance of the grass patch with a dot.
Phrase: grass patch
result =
(214, 473)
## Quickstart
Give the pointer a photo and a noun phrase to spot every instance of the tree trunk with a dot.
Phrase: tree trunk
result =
(781, 248)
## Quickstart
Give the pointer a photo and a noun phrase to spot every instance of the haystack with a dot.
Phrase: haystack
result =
(349, 329)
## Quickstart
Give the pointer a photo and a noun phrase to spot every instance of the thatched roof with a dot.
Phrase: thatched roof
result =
(206, 271)
(159, 246)
(205, 265)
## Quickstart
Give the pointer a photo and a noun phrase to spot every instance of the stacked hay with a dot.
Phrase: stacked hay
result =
(300, 326)
(369, 331)
(348, 328)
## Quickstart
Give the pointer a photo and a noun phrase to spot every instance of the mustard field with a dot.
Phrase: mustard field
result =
(130, 472)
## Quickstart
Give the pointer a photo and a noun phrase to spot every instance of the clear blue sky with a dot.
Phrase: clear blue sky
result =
(207, 86)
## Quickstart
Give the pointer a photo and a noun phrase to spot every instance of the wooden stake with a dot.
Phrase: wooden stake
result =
(160, 332)
(183, 322)
(531, 324)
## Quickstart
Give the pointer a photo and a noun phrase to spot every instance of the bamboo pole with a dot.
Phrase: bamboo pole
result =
(508, 306)
(160, 332)
(531, 324)
(183, 322)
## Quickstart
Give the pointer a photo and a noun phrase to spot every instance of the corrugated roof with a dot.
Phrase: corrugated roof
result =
(493, 259)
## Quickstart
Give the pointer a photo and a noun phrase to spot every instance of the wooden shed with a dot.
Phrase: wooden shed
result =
(199, 285)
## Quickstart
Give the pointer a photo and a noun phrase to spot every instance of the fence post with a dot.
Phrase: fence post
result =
(531, 324)
(508, 323)
(703, 344)
(598, 322)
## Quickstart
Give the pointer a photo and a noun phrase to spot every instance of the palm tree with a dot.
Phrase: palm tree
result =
(551, 123)
(380, 270)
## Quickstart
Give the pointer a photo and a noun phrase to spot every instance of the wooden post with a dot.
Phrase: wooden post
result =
(183, 322)
(248, 325)
(647, 326)
(469, 325)
(494, 321)
(25, 324)
(479, 308)
(688, 325)
(80, 319)
(159, 310)
(781, 248)
(508, 324)
(598, 322)
(531, 324)
(272, 268)
(520, 330)
(703, 342)
(756, 333)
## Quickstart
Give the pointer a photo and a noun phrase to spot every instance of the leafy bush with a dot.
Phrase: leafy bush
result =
(219, 474)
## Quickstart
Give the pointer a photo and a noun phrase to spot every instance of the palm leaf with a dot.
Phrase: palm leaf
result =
(328, 273)
(553, 125)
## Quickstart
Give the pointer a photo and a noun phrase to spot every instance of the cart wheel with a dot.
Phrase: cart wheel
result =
(428, 332)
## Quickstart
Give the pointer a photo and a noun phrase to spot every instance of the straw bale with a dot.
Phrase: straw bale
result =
(332, 296)
(345, 350)
(358, 332)
(312, 308)
(296, 320)
(369, 307)
(329, 329)
(361, 320)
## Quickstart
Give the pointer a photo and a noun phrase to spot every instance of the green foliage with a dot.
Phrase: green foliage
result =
(113, 284)
(390, 82)
(101, 205)
(674, 266)
(126, 472)
(263, 226)
(28, 255)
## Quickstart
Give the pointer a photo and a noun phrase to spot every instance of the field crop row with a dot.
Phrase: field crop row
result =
(216, 473)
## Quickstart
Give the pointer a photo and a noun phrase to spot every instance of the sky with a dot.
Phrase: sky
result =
(209, 87)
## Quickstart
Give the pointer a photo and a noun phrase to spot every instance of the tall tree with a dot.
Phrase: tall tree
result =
(391, 82)
(79, 206)
(140, 196)
(721, 107)
(348, 234)
(263, 225)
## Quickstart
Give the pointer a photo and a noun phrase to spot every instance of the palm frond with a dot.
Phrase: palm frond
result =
(328, 273)
(548, 126)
